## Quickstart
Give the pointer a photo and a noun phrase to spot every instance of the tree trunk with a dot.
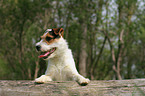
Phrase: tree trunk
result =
(36, 69)
(83, 53)
(117, 59)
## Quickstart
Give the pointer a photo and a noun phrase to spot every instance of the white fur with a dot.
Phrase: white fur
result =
(49, 30)
(61, 65)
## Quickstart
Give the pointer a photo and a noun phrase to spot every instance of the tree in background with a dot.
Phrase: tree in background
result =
(106, 37)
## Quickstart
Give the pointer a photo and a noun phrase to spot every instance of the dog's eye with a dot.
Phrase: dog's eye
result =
(48, 38)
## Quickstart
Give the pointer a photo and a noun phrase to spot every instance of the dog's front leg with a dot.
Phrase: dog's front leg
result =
(80, 79)
(43, 79)
(48, 75)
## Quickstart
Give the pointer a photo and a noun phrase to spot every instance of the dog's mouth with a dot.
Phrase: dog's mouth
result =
(46, 54)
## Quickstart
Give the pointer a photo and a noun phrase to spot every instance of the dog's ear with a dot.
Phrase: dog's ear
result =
(58, 31)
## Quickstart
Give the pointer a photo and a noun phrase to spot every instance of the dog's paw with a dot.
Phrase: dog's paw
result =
(83, 81)
(43, 79)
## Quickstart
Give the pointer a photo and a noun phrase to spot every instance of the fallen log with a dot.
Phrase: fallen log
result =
(132, 87)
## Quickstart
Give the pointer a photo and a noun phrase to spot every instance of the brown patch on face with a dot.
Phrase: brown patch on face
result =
(51, 36)
(46, 34)
(48, 38)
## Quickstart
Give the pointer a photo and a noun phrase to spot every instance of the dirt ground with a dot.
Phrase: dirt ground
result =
(132, 87)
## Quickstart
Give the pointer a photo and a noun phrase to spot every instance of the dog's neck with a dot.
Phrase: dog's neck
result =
(63, 51)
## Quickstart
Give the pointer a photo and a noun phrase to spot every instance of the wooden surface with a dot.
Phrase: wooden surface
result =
(133, 87)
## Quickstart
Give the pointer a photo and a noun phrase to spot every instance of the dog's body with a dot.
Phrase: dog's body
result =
(61, 65)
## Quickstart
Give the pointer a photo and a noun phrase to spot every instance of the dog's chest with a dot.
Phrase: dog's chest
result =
(59, 69)
(61, 66)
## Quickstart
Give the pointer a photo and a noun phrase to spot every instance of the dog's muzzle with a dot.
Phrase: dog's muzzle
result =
(38, 47)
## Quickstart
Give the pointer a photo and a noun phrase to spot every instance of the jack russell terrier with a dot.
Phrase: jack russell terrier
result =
(61, 65)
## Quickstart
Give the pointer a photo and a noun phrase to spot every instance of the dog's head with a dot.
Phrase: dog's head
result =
(50, 43)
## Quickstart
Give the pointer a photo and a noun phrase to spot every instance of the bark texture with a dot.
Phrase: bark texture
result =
(133, 87)
(83, 53)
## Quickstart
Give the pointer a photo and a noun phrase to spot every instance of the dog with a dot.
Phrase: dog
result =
(61, 66)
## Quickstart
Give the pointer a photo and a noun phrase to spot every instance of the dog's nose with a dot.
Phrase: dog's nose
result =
(38, 47)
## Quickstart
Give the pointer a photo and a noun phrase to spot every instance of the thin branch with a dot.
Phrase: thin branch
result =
(100, 53)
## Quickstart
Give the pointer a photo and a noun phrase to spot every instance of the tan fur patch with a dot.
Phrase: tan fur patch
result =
(47, 35)
(58, 31)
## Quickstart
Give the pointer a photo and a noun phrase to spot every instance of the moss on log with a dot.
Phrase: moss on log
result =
(133, 87)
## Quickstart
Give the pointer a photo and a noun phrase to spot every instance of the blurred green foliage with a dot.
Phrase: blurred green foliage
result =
(115, 36)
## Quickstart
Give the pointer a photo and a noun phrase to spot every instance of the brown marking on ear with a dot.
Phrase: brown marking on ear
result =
(61, 31)
(58, 31)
